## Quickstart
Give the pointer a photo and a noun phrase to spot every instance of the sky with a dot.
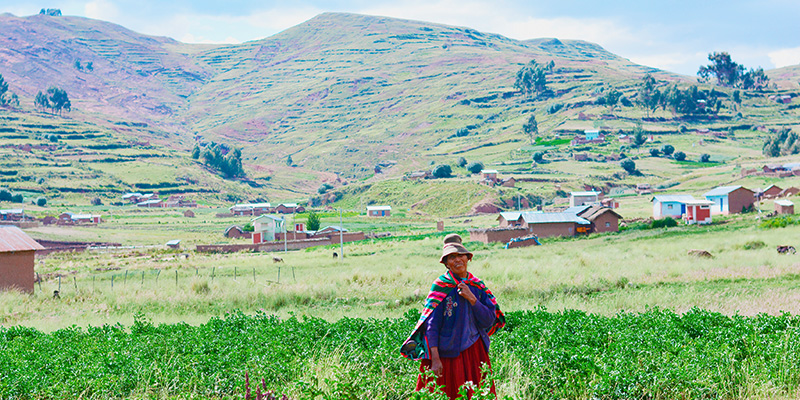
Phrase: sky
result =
(675, 35)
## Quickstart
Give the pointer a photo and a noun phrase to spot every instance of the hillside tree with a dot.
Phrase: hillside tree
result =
(728, 73)
(611, 98)
(679, 156)
(648, 96)
(531, 128)
(704, 158)
(475, 167)
(639, 135)
(461, 162)
(667, 149)
(7, 98)
(531, 78)
(58, 99)
(41, 102)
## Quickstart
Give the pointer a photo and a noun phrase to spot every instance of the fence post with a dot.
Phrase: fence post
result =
(112, 281)
(234, 272)
(176, 278)
(254, 275)
(39, 280)
(92, 283)
(196, 271)
(125, 282)
(59, 284)
(213, 272)
(142, 278)
(279, 274)
(293, 277)
(75, 282)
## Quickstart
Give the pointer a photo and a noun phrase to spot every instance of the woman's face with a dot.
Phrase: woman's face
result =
(457, 264)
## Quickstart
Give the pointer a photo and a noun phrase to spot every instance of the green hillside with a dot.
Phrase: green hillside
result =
(341, 94)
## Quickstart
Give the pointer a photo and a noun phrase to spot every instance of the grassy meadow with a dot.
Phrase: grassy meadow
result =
(633, 270)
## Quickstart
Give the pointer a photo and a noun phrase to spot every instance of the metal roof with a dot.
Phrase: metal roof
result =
(12, 211)
(248, 206)
(510, 216)
(721, 191)
(699, 203)
(174, 242)
(551, 218)
(379, 208)
(577, 209)
(14, 239)
(267, 216)
(287, 205)
(584, 193)
(489, 171)
(785, 203)
(673, 198)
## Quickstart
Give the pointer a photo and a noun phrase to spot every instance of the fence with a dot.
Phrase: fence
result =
(154, 277)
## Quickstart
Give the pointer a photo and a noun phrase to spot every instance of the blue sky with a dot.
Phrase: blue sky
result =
(673, 35)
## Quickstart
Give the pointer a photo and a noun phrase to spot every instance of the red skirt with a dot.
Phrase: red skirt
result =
(456, 371)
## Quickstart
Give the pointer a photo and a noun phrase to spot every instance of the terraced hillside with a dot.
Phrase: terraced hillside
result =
(332, 98)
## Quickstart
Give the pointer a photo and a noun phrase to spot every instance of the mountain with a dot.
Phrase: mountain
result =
(340, 92)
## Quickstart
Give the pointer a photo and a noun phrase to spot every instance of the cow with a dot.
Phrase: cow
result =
(276, 259)
(786, 250)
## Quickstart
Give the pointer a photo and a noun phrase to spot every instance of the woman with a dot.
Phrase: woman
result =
(451, 337)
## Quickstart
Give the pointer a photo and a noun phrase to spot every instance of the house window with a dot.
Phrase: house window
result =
(608, 224)
(669, 206)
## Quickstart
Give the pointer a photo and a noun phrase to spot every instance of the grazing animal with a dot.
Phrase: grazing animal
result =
(335, 255)
(786, 250)
(699, 253)
(276, 259)
(56, 295)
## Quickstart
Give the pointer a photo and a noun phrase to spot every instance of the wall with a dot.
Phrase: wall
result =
(738, 199)
(553, 229)
(496, 235)
(16, 270)
(267, 246)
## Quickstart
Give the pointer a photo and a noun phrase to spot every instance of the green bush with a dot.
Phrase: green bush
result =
(665, 222)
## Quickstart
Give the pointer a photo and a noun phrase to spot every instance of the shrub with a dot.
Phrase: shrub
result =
(461, 162)
(655, 153)
(665, 222)
(41, 202)
(554, 108)
(538, 156)
(96, 201)
(312, 221)
(18, 198)
(754, 245)
(475, 167)
(679, 156)
(628, 165)
(324, 188)
(667, 149)
(442, 171)
(704, 158)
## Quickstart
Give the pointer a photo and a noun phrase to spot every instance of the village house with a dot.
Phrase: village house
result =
(13, 214)
(17, 256)
(266, 227)
(610, 203)
(379, 211)
(603, 219)
(188, 214)
(546, 224)
(697, 211)
(68, 218)
(174, 244)
(673, 206)
(730, 199)
(582, 198)
(254, 209)
(179, 200)
(236, 232)
(590, 136)
(784, 207)
(771, 192)
(413, 176)
(154, 203)
(644, 188)
(790, 191)
(132, 197)
(289, 208)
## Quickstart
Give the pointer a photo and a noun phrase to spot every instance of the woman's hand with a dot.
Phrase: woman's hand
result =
(463, 291)
(436, 366)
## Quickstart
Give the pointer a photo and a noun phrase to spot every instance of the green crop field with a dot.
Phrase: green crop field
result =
(623, 315)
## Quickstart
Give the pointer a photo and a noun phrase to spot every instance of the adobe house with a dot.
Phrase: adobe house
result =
(771, 192)
(188, 214)
(379, 211)
(790, 191)
(254, 209)
(603, 219)
(236, 232)
(289, 208)
(545, 224)
(489, 175)
(673, 206)
(14, 214)
(17, 255)
(784, 207)
(730, 199)
(174, 244)
(698, 212)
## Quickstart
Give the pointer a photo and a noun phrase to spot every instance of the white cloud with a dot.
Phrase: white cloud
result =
(101, 9)
(785, 57)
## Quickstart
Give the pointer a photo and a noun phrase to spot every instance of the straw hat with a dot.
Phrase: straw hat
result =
(452, 245)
